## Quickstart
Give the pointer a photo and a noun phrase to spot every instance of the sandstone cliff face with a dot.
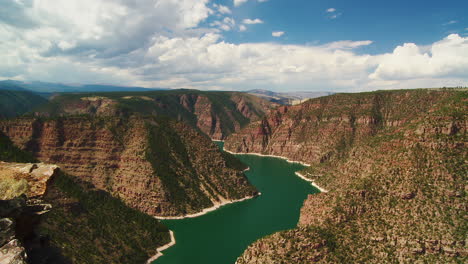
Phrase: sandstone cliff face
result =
(161, 167)
(318, 129)
(397, 180)
(217, 114)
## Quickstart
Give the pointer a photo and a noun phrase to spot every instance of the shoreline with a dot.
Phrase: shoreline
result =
(288, 160)
(272, 156)
(311, 181)
(160, 249)
(206, 210)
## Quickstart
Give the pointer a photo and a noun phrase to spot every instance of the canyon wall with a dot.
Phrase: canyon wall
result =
(217, 114)
(394, 164)
(156, 165)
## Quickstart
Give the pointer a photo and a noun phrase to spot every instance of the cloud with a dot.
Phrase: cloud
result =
(210, 62)
(249, 21)
(447, 58)
(168, 44)
(333, 13)
(240, 2)
(346, 44)
(335, 16)
(222, 9)
(451, 22)
(226, 24)
(277, 34)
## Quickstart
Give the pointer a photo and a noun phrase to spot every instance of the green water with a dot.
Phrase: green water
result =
(221, 236)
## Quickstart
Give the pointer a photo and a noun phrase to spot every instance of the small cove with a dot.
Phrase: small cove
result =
(219, 237)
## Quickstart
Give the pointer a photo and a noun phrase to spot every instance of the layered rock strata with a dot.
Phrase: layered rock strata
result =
(217, 114)
(161, 167)
(395, 167)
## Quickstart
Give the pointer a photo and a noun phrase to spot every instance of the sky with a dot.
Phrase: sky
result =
(279, 45)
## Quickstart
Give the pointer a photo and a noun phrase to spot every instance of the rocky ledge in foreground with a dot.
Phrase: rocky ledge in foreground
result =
(22, 190)
(395, 166)
(47, 217)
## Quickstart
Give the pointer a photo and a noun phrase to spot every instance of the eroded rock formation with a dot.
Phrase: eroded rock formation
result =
(395, 167)
(161, 167)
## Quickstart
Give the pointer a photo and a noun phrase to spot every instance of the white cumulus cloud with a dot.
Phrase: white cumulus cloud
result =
(446, 58)
(331, 10)
(222, 9)
(167, 44)
(240, 2)
(277, 33)
(249, 21)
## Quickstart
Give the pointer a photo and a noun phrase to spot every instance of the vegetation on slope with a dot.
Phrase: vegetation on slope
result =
(190, 180)
(11, 153)
(397, 194)
(16, 103)
(181, 105)
(91, 226)
(167, 153)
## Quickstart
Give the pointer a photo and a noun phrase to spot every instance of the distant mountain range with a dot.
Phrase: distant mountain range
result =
(45, 87)
(289, 98)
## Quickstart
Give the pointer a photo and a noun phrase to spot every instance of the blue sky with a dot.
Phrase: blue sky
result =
(386, 23)
(280, 45)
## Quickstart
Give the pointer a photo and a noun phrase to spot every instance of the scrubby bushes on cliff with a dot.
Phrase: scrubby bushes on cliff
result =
(166, 152)
(91, 226)
(11, 188)
(11, 153)
(397, 194)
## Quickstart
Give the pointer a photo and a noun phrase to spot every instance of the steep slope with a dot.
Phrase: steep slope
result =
(216, 114)
(156, 165)
(59, 221)
(395, 166)
(16, 102)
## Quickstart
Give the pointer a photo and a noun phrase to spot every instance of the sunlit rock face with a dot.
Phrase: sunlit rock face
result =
(394, 164)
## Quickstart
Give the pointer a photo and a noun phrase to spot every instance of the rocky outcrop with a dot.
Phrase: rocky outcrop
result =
(395, 167)
(57, 220)
(16, 212)
(13, 253)
(161, 167)
(37, 176)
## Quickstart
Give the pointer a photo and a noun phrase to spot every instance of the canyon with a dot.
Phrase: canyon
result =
(152, 149)
(216, 114)
(394, 165)
(159, 166)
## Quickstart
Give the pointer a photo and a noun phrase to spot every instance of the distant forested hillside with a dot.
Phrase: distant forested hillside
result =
(17, 102)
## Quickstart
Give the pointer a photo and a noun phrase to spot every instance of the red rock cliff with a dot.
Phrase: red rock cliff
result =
(112, 154)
